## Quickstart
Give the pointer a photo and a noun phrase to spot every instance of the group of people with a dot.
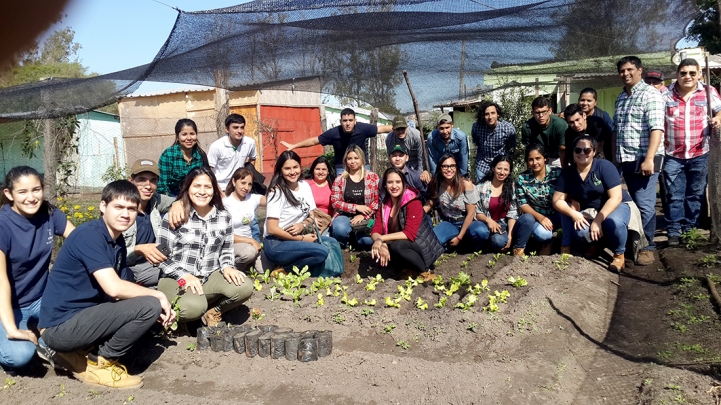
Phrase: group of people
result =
(184, 230)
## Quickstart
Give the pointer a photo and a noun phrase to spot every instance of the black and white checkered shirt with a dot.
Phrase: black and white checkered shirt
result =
(198, 247)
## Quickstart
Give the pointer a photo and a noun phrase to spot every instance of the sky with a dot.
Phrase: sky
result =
(117, 35)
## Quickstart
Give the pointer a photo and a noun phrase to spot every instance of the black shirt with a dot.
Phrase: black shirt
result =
(592, 192)
(597, 129)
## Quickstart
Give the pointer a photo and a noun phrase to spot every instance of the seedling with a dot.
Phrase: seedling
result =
(93, 393)
(320, 301)
(468, 302)
(190, 347)
(257, 285)
(322, 283)
(405, 293)
(403, 345)
(273, 294)
(679, 327)
(388, 329)
(420, 304)
(441, 302)
(352, 258)
(472, 327)
(693, 239)
(338, 318)
(61, 393)
(9, 382)
(524, 258)
(710, 261)
(393, 303)
(367, 312)
(370, 303)
(256, 314)
(371, 286)
(358, 279)
(129, 400)
(438, 283)
(517, 282)
(464, 264)
(564, 262)
(351, 302)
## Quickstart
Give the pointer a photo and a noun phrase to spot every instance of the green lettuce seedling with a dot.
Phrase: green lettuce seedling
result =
(321, 301)
(441, 302)
(393, 303)
(420, 304)
(517, 282)
(370, 303)
(257, 285)
(358, 279)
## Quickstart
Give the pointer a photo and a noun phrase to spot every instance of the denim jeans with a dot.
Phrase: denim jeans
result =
(341, 230)
(18, 353)
(685, 185)
(643, 191)
(615, 229)
(496, 241)
(255, 230)
(527, 226)
(445, 231)
(289, 253)
(114, 326)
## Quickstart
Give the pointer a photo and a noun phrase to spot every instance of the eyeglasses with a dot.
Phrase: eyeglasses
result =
(691, 73)
(541, 113)
(586, 151)
(448, 167)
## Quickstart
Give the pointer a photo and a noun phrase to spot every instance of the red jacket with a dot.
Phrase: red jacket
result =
(370, 194)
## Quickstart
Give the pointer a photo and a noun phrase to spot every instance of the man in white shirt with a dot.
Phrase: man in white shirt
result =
(231, 152)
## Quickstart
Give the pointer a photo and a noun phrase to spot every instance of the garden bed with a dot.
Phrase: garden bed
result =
(575, 334)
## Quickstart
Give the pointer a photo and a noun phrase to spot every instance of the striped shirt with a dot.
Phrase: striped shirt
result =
(636, 116)
(199, 247)
(687, 131)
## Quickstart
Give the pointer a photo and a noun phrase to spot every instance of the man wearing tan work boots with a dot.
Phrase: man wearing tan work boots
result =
(86, 304)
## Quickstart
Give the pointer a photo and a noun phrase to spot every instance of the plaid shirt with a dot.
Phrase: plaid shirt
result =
(687, 131)
(199, 247)
(174, 168)
(492, 142)
(484, 193)
(537, 194)
(370, 195)
(636, 116)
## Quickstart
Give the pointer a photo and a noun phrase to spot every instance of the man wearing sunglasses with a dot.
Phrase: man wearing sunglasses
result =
(639, 127)
(687, 136)
(547, 129)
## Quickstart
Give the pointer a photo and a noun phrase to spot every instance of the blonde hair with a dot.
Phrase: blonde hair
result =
(358, 151)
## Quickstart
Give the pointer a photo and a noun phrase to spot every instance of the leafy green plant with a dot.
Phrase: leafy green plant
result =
(441, 302)
(338, 317)
(9, 382)
(403, 345)
(256, 314)
(467, 302)
(693, 239)
(404, 292)
(709, 261)
(352, 258)
(291, 284)
(472, 326)
(563, 262)
(495, 299)
(388, 329)
(273, 293)
(367, 312)
(62, 392)
(323, 283)
(679, 327)
(129, 400)
(393, 303)
(370, 303)
(351, 302)
(517, 282)
(420, 304)
(373, 282)
(320, 301)
(190, 347)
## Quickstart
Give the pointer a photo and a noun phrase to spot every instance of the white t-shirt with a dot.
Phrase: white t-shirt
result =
(225, 160)
(279, 207)
(242, 212)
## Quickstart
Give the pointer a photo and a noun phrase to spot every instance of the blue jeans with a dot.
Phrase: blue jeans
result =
(18, 353)
(445, 231)
(527, 226)
(496, 241)
(255, 229)
(289, 253)
(615, 229)
(643, 192)
(685, 185)
(341, 229)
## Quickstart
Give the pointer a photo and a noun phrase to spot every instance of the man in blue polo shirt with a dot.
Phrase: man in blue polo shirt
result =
(86, 303)
(349, 132)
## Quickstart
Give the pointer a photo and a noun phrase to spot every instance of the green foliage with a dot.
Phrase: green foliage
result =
(338, 318)
(705, 28)
(564, 262)
(693, 239)
(420, 304)
(9, 382)
(367, 312)
(291, 284)
(190, 347)
(388, 329)
(710, 261)
(373, 282)
(403, 345)
(114, 172)
(472, 326)
(517, 282)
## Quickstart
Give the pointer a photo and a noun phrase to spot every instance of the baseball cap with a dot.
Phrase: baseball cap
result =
(397, 148)
(654, 74)
(399, 121)
(444, 117)
(144, 165)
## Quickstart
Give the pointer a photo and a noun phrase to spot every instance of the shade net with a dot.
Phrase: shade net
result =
(356, 50)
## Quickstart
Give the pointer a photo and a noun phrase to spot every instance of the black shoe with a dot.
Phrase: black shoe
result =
(45, 352)
(673, 240)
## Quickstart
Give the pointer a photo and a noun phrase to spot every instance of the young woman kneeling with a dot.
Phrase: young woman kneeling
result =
(242, 205)
(200, 267)
(601, 211)
(401, 234)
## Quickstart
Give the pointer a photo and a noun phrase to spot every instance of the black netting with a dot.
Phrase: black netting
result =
(358, 49)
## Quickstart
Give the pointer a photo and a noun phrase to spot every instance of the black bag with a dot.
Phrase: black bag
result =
(258, 180)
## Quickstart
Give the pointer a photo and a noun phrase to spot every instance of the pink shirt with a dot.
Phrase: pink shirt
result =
(321, 196)
(687, 132)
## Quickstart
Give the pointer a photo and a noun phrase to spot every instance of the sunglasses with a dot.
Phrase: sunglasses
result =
(585, 151)
(683, 74)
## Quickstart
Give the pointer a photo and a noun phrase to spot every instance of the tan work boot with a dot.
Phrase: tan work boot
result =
(427, 276)
(546, 249)
(109, 374)
(212, 318)
(618, 263)
(566, 250)
(277, 272)
(645, 258)
(74, 362)
(519, 251)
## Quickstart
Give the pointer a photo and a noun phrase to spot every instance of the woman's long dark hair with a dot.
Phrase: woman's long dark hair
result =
(331, 169)
(184, 194)
(507, 192)
(278, 181)
(237, 175)
(399, 172)
(434, 187)
(14, 175)
(187, 122)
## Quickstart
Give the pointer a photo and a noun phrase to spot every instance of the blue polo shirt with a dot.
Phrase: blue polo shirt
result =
(340, 140)
(145, 229)
(592, 192)
(28, 245)
(71, 286)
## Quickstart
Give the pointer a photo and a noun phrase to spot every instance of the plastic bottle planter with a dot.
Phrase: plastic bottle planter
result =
(267, 341)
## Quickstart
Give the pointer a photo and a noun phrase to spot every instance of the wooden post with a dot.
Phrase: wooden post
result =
(418, 119)
(373, 150)
(714, 168)
(538, 89)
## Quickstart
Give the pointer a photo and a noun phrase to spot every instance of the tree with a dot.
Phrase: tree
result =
(705, 27)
